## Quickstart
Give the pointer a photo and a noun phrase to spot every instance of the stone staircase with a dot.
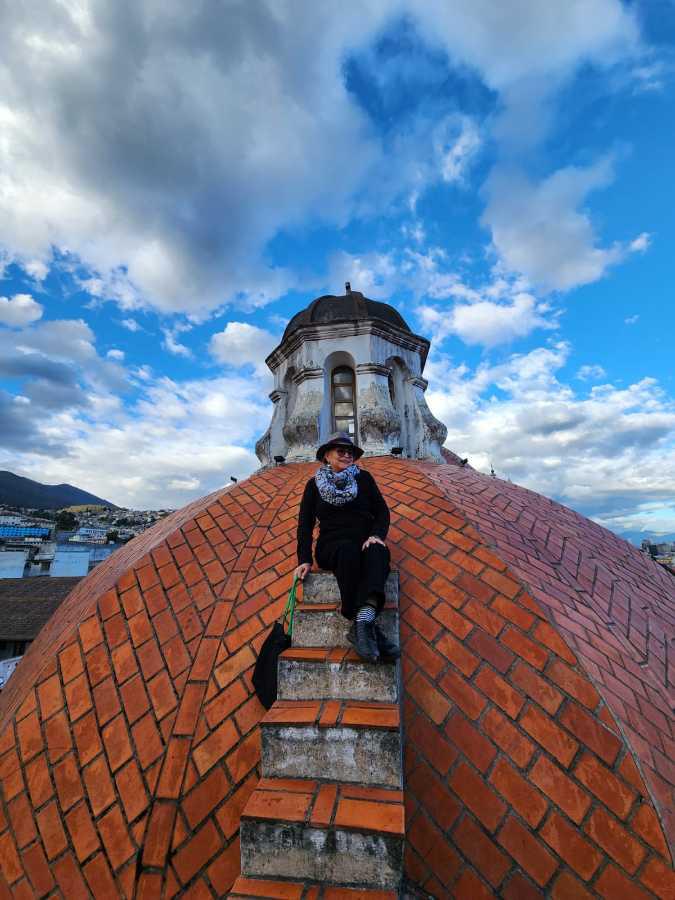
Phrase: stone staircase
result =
(327, 817)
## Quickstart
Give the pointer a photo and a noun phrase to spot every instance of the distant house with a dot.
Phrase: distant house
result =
(87, 535)
(25, 605)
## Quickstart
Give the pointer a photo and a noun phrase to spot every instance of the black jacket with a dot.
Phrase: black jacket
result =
(366, 514)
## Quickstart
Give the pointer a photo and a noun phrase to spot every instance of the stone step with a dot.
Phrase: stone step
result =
(317, 673)
(268, 889)
(355, 742)
(322, 587)
(323, 625)
(324, 831)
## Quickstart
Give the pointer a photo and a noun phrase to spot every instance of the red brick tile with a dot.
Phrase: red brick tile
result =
(140, 628)
(452, 620)
(615, 840)
(90, 634)
(424, 656)
(525, 799)
(98, 664)
(197, 852)
(476, 589)
(99, 785)
(108, 604)
(233, 666)
(67, 780)
(433, 795)
(502, 583)
(470, 741)
(490, 861)
(533, 653)
(507, 737)
(586, 728)
(499, 691)
(562, 790)
(646, 823)
(131, 790)
(225, 868)
(230, 812)
(481, 615)
(51, 830)
(69, 878)
(520, 888)
(605, 785)
(528, 852)
(82, 832)
(457, 654)
(659, 878)
(433, 745)
(612, 885)
(106, 701)
(147, 740)
(468, 699)
(124, 662)
(431, 700)
(469, 887)
(569, 844)
(134, 698)
(420, 622)
(38, 781)
(162, 694)
(173, 768)
(478, 797)
(115, 837)
(222, 705)
(629, 771)
(37, 869)
(548, 636)
(545, 732)
(21, 818)
(158, 834)
(99, 878)
(116, 741)
(50, 697)
(566, 887)
(70, 659)
(491, 650)
(322, 811)
(115, 630)
(149, 658)
(574, 684)
(78, 697)
(214, 748)
(537, 688)
(246, 755)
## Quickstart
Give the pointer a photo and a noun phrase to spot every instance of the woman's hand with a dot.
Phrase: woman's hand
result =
(373, 539)
(302, 570)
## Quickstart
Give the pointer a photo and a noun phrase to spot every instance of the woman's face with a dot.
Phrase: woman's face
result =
(339, 458)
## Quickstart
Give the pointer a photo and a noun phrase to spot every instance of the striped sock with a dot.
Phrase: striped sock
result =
(366, 614)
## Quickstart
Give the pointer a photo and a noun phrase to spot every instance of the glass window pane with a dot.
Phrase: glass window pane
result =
(342, 377)
(344, 409)
(345, 425)
(342, 392)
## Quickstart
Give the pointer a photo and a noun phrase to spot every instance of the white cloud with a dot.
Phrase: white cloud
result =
(592, 372)
(130, 324)
(631, 320)
(641, 243)
(20, 310)
(458, 152)
(241, 344)
(486, 322)
(173, 345)
(116, 355)
(607, 452)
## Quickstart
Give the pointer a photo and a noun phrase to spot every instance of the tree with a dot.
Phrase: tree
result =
(66, 521)
(112, 537)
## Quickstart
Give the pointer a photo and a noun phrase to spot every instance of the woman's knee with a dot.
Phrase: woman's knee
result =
(380, 550)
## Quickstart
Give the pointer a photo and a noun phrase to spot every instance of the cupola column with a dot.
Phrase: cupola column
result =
(379, 422)
(301, 430)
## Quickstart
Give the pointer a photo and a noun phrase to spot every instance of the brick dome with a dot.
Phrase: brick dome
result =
(537, 699)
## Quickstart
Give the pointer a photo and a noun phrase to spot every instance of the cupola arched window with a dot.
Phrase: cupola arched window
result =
(343, 399)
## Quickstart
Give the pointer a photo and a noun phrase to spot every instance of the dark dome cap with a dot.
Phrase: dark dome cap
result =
(348, 307)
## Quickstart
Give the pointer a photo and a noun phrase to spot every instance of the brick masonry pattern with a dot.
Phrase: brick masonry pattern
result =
(129, 736)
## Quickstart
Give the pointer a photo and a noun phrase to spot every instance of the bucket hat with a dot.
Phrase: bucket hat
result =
(339, 439)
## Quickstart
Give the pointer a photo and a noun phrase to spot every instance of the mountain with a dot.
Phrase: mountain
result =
(18, 491)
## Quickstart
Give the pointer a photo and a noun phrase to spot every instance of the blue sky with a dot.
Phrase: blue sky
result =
(176, 181)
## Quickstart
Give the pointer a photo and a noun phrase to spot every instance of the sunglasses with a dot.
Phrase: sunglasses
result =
(344, 451)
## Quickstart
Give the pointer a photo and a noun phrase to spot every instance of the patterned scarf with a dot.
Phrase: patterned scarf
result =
(337, 488)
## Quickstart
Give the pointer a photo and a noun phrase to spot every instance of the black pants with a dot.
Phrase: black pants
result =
(360, 573)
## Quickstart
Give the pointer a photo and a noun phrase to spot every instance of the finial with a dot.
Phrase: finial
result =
(348, 287)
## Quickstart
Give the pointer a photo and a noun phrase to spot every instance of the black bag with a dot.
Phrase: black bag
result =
(265, 671)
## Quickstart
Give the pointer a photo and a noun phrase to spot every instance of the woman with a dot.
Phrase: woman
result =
(353, 523)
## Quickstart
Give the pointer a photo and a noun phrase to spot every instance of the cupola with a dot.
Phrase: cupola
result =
(348, 363)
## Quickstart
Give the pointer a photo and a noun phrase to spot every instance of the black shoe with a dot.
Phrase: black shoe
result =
(362, 637)
(389, 651)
